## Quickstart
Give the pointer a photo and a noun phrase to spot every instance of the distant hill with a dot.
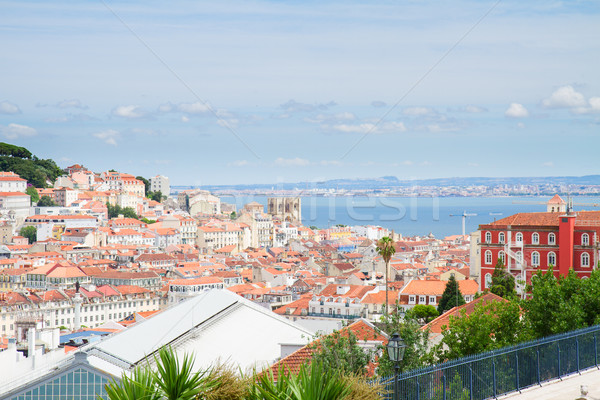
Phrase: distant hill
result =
(20, 161)
(390, 182)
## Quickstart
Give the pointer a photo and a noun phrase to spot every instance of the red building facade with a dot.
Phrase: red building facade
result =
(528, 242)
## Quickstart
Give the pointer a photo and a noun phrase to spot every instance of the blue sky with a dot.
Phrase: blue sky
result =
(259, 91)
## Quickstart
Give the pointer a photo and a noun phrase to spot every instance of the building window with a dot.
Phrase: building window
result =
(585, 260)
(501, 237)
(519, 256)
(488, 280)
(488, 257)
(502, 257)
(585, 239)
(422, 299)
(535, 259)
(552, 259)
(551, 238)
(411, 299)
(488, 237)
(431, 299)
(535, 238)
(519, 237)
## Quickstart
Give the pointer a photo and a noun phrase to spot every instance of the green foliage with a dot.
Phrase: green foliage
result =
(33, 194)
(423, 313)
(313, 382)
(491, 325)
(14, 151)
(562, 304)
(416, 354)
(173, 379)
(314, 228)
(454, 391)
(147, 221)
(146, 184)
(228, 384)
(386, 249)
(452, 297)
(503, 283)
(233, 215)
(46, 201)
(20, 161)
(115, 211)
(30, 232)
(340, 351)
(156, 196)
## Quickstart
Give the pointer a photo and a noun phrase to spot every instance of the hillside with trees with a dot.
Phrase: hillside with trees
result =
(21, 161)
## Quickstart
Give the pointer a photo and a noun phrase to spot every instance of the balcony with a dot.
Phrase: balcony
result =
(337, 316)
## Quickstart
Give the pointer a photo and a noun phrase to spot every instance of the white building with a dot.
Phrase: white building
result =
(161, 184)
(11, 182)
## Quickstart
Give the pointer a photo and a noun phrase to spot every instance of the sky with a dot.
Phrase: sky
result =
(285, 91)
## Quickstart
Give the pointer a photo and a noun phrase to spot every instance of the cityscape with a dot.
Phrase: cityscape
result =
(269, 200)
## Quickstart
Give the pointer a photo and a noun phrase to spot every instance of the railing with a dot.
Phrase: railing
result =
(339, 316)
(511, 369)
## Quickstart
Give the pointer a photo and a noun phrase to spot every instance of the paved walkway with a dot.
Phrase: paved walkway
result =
(567, 389)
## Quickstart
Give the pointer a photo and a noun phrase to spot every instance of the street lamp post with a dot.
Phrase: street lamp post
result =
(395, 348)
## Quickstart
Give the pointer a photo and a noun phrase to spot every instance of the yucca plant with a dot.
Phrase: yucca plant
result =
(139, 385)
(313, 382)
(172, 380)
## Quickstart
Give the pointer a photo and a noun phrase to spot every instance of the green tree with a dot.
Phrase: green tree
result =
(233, 215)
(146, 184)
(503, 283)
(491, 325)
(30, 232)
(452, 297)
(46, 201)
(340, 351)
(423, 313)
(115, 211)
(556, 304)
(386, 249)
(156, 196)
(417, 353)
(33, 193)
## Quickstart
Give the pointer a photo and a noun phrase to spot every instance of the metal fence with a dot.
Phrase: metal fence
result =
(510, 369)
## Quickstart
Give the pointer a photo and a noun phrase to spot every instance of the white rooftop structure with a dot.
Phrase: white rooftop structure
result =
(215, 325)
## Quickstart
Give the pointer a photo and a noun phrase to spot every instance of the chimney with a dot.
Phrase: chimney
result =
(342, 289)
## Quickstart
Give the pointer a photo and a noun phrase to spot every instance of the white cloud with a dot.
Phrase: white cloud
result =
(15, 131)
(166, 108)
(6, 107)
(71, 103)
(418, 111)
(109, 136)
(239, 163)
(516, 110)
(592, 108)
(474, 109)
(366, 128)
(291, 162)
(128, 112)
(548, 164)
(520, 125)
(564, 97)
(184, 119)
(194, 108)
(407, 162)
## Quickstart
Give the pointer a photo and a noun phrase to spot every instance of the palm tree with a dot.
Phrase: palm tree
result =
(385, 248)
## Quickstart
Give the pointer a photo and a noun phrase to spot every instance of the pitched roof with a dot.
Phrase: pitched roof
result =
(437, 287)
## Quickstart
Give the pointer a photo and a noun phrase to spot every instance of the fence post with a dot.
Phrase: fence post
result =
(577, 352)
(444, 386)
(517, 369)
(470, 382)
(558, 347)
(418, 389)
(494, 374)
(596, 352)
(538, 367)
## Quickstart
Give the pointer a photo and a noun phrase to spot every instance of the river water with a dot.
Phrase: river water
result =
(412, 216)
